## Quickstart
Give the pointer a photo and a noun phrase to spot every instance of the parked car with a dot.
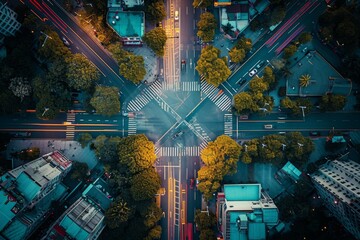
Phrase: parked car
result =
(268, 126)
(253, 72)
(176, 15)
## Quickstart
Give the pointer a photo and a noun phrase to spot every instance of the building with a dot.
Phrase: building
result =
(85, 219)
(338, 184)
(8, 23)
(237, 14)
(27, 192)
(245, 212)
(129, 25)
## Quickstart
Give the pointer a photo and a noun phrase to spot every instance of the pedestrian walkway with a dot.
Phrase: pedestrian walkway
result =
(203, 145)
(216, 95)
(172, 86)
(201, 131)
(70, 133)
(132, 126)
(178, 151)
(228, 124)
(190, 86)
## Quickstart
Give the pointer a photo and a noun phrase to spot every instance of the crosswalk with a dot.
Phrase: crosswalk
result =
(190, 86)
(141, 100)
(70, 118)
(228, 124)
(193, 151)
(216, 95)
(132, 126)
(173, 86)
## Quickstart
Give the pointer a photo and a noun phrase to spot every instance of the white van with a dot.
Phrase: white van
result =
(176, 15)
(268, 126)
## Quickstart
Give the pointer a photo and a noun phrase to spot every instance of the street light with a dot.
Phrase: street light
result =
(270, 64)
(47, 36)
(263, 109)
(245, 147)
(283, 146)
(300, 145)
(45, 110)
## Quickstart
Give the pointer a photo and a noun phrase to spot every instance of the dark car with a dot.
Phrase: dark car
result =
(178, 134)
(191, 183)
(242, 82)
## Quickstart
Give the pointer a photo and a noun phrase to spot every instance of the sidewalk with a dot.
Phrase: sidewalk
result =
(71, 149)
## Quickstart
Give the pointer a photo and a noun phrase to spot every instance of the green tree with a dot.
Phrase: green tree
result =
(156, 40)
(212, 67)
(298, 148)
(244, 103)
(207, 234)
(204, 220)
(305, 37)
(152, 215)
(304, 80)
(28, 154)
(133, 69)
(258, 85)
(79, 171)
(145, 185)
(106, 100)
(118, 213)
(20, 87)
(154, 233)
(206, 26)
(332, 102)
(269, 76)
(237, 55)
(289, 51)
(53, 49)
(228, 28)
(137, 153)
(84, 139)
(82, 74)
(277, 15)
(244, 43)
(156, 11)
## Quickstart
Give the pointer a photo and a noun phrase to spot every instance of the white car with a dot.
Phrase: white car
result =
(66, 42)
(176, 15)
(253, 72)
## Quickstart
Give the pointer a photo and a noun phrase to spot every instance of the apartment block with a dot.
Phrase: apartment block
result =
(8, 23)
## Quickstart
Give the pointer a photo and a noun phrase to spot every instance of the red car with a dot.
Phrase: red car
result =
(191, 183)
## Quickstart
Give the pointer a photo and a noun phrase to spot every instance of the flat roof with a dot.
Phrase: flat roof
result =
(98, 192)
(242, 192)
(290, 169)
(127, 24)
(324, 77)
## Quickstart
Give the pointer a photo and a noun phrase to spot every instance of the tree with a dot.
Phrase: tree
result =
(298, 148)
(202, 3)
(145, 185)
(304, 80)
(79, 171)
(82, 74)
(290, 51)
(244, 43)
(305, 37)
(237, 55)
(106, 100)
(133, 68)
(118, 213)
(137, 153)
(228, 28)
(20, 87)
(243, 103)
(278, 64)
(154, 233)
(213, 68)
(53, 49)
(28, 154)
(156, 11)
(269, 76)
(258, 85)
(332, 102)
(156, 40)
(204, 220)
(286, 72)
(152, 215)
(206, 26)
(207, 234)
(277, 15)
(84, 139)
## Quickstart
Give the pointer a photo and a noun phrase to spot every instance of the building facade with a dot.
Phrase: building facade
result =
(245, 212)
(338, 184)
(8, 23)
(26, 194)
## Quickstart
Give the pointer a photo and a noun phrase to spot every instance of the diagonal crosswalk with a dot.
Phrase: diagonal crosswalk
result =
(216, 95)
(141, 100)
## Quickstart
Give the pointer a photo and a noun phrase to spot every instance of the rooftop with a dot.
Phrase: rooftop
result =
(242, 192)
(127, 24)
(290, 169)
(324, 78)
(98, 193)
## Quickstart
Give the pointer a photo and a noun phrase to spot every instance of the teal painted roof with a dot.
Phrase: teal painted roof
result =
(98, 193)
(270, 215)
(127, 24)
(242, 192)
(5, 209)
(290, 169)
(73, 229)
(256, 231)
(27, 186)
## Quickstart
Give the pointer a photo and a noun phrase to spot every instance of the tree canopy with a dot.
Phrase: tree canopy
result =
(244, 103)
(237, 55)
(295, 106)
(332, 102)
(145, 184)
(202, 3)
(84, 139)
(156, 40)
(82, 74)
(156, 11)
(119, 212)
(212, 67)
(105, 100)
(289, 51)
(206, 26)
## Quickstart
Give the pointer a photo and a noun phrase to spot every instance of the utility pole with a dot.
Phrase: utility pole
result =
(46, 37)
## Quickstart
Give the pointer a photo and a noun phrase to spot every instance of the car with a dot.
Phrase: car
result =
(305, 49)
(197, 182)
(314, 133)
(268, 126)
(176, 15)
(253, 72)
(66, 42)
(244, 117)
(183, 64)
(178, 134)
(260, 64)
(191, 183)
(241, 82)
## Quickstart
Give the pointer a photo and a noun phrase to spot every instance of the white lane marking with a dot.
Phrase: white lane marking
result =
(273, 47)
